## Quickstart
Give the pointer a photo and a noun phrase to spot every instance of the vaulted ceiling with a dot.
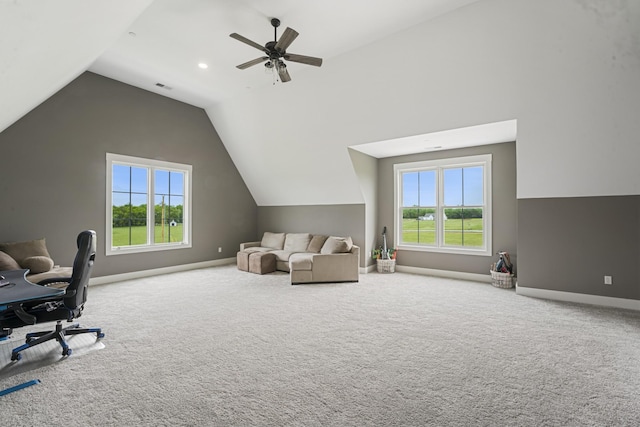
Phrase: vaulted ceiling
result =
(418, 74)
(160, 45)
(144, 42)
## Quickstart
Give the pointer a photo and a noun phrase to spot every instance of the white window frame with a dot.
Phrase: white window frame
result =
(440, 165)
(151, 165)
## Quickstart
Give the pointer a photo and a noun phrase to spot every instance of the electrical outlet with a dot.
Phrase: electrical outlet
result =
(220, 249)
(608, 280)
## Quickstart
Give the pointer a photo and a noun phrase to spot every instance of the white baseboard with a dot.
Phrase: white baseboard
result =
(433, 272)
(157, 271)
(444, 273)
(629, 304)
(367, 269)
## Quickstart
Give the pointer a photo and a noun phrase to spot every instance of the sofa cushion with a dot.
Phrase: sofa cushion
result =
(253, 249)
(282, 255)
(297, 242)
(301, 261)
(7, 262)
(272, 240)
(315, 245)
(21, 250)
(37, 264)
(54, 272)
(337, 245)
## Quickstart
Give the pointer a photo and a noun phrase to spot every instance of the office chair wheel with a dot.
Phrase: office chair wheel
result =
(100, 335)
(16, 356)
(66, 351)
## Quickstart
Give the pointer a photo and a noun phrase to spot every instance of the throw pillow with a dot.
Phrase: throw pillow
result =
(297, 242)
(272, 240)
(37, 264)
(21, 250)
(8, 263)
(336, 245)
(316, 243)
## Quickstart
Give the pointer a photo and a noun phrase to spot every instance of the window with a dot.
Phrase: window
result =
(148, 205)
(444, 205)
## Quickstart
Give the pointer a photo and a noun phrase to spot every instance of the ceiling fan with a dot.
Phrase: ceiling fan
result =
(276, 52)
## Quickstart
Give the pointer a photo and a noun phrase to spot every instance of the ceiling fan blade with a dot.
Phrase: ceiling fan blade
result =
(247, 41)
(309, 60)
(286, 39)
(284, 74)
(252, 62)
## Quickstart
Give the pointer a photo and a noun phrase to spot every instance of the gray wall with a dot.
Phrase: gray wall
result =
(335, 220)
(570, 244)
(53, 172)
(366, 168)
(504, 209)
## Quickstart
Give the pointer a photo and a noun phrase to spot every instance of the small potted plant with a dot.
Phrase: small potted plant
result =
(377, 253)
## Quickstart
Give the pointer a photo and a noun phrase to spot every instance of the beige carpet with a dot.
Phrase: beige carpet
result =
(218, 347)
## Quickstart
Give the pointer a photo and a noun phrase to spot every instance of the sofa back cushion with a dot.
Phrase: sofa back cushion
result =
(337, 245)
(37, 264)
(21, 250)
(7, 262)
(316, 243)
(272, 240)
(297, 242)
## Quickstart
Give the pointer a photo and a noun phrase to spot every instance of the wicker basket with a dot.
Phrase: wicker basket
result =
(502, 280)
(386, 265)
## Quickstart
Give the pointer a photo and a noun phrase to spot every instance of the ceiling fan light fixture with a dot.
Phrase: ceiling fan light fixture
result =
(276, 51)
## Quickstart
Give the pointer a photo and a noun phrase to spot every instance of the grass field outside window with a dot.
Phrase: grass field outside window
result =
(139, 235)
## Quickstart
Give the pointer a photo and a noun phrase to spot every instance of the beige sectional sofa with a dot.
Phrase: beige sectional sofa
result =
(31, 255)
(307, 257)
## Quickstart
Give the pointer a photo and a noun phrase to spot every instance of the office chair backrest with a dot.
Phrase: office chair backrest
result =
(76, 292)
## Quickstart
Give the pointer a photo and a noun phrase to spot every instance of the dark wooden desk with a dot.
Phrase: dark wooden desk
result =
(16, 290)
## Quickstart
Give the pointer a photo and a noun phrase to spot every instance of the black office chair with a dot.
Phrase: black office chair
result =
(67, 307)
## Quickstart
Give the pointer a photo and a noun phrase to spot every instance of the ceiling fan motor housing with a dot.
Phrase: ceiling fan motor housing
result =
(273, 52)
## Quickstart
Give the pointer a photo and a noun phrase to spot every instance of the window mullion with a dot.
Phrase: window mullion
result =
(440, 209)
(150, 206)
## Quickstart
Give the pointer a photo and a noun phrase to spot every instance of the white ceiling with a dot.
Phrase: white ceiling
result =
(45, 44)
(145, 42)
(171, 37)
(391, 69)
(148, 53)
(490, 133)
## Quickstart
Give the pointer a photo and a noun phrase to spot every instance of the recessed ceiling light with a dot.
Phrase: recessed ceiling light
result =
(203, 65)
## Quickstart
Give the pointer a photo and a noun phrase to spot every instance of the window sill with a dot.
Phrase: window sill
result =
(146, 248)
(446, 250)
